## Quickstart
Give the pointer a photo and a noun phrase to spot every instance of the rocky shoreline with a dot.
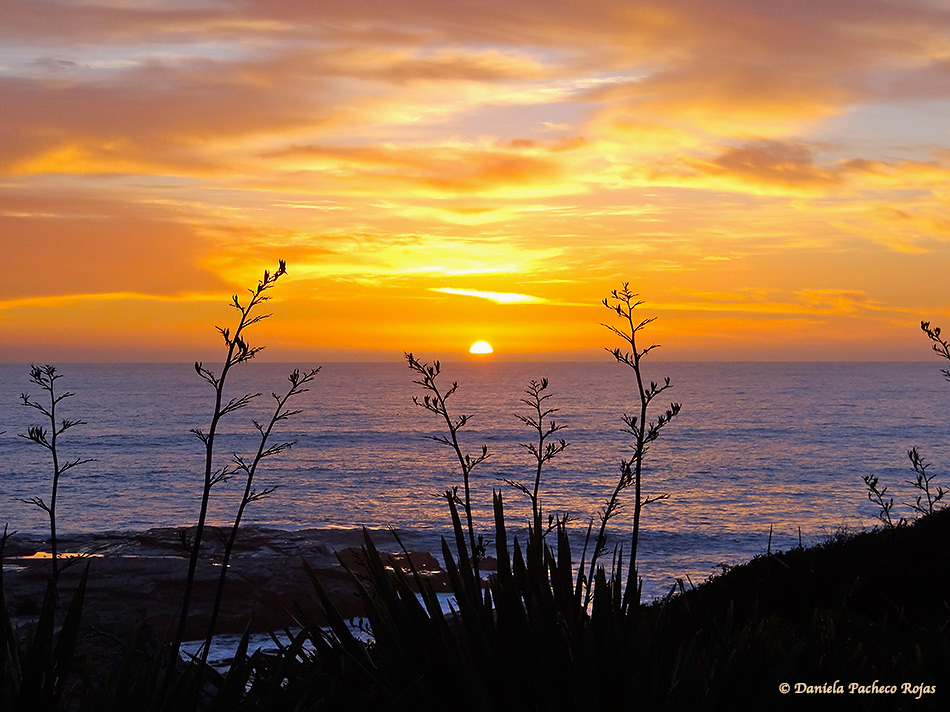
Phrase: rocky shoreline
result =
(137, 577)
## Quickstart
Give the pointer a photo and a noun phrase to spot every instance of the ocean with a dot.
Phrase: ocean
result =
(757, 447)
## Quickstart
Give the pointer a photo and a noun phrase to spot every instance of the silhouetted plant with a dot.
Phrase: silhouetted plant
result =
(623, 302)
(435, 402)
(45, 377)
(922, 482)
(238, 352)
(542, 450)
(281, 412)
(926, 502)
(940, 346)
(885, 504)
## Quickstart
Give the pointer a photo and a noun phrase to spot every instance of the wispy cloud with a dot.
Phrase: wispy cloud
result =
(497, 297)
(62, 300)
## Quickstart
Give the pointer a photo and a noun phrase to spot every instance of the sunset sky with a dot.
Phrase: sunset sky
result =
(772, 177)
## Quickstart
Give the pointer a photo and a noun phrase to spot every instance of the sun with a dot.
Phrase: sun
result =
(481, 347)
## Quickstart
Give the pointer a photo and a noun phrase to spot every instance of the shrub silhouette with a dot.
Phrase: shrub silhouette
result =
(928, 501)
(542, 450)
(435, 402)
(248, 469)
(623, 302)
(238, 352)
(45, 377)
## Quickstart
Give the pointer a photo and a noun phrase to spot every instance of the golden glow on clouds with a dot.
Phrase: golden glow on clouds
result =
(497, 297)
(771, 176)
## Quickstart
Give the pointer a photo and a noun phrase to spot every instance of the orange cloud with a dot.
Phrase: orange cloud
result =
(771, 162)
(433, 170)
(60, 245)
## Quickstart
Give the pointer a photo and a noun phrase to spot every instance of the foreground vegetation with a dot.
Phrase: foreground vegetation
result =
(861, 608)
(550, 628)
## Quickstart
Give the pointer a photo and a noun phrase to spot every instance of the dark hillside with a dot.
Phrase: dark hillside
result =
(872, 606)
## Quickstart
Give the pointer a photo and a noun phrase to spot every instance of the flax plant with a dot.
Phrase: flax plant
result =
(298, 382)
(878, 495)
(45, 377)
(940, 345)
(435, 402)
(623, 302)
(922, 482)
(922, 479)
(930, 495)
(542, 450)
(238, 352)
